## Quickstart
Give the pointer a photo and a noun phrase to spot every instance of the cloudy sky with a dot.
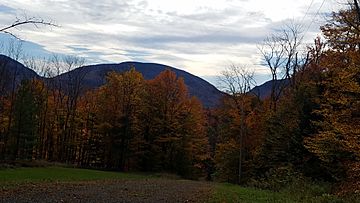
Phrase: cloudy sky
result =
(199, 36)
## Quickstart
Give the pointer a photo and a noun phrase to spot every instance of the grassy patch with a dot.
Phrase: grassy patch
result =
(234, 193)
(52, 174)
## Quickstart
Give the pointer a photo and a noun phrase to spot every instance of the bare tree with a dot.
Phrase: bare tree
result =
(14, 49)
(40, 65)
(237, 82)
(281, 53)
(66, 92)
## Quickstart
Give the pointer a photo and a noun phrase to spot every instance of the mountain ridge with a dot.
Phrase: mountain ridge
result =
(94, 76)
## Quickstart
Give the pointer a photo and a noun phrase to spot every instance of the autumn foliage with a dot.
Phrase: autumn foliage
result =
(127, 124)
(314, 131)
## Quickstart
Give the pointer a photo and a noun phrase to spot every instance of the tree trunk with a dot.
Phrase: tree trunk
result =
(357, 10)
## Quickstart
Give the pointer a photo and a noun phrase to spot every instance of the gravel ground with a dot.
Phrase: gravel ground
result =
(149, 190)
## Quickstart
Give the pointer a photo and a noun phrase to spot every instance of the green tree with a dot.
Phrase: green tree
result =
(26, 117)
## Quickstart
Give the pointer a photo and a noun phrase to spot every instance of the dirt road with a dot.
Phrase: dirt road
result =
(148, 190)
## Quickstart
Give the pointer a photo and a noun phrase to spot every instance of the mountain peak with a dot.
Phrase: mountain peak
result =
(94, 76)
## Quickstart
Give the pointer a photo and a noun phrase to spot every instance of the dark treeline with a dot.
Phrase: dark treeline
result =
(309, 127)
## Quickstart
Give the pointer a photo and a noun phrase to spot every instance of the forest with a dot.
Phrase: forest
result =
(307, 129)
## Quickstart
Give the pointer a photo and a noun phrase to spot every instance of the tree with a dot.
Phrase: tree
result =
(195, 143)
(166, 95)
(72, 89)
(335, 141)
(24, 131)
(9, 80)
(45, 123)
(174, 132)
(238, 81)
(118, 115)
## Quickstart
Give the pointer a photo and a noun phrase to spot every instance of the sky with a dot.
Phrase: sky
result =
(202, 37)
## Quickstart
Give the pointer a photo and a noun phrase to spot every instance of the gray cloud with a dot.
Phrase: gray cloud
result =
(78, 48)
(116, 30)
(225, 39)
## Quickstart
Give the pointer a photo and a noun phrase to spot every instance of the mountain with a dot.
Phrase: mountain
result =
(12, 73)
(264, 91)
(93, 76)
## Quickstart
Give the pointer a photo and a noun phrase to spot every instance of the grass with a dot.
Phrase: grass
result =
(9, 177)
(233, 193)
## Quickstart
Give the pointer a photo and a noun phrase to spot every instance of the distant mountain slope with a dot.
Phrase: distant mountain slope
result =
(94, 76)
(264, 91)
(12, 73)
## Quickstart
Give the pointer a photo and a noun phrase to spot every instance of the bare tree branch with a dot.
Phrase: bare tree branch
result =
(20, 22)
(280, 52)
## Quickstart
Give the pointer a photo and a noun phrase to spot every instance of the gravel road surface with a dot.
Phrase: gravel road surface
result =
(148, 190)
